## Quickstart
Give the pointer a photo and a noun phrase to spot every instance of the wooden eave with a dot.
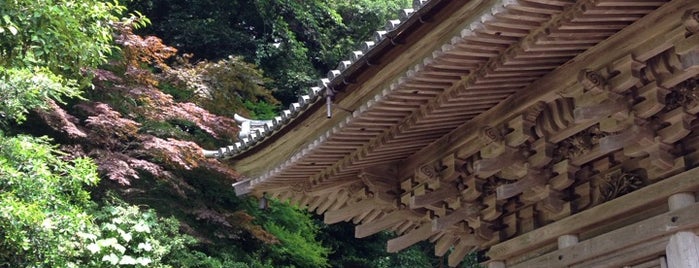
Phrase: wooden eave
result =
(452, 139)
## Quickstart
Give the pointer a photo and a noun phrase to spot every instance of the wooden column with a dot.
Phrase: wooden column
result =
(683, 249)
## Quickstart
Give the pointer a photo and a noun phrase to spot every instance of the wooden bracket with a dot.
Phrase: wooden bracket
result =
(418, 201)
(628, 73)
(473, 188)
(543, 153)
(493, 208)
(653, 100)
(679, 125)
(481, 228)
(691, 21)
(550, 198)
(489, 166)
(533, 178)
(460, 214)
(634, 134)
(564, 175)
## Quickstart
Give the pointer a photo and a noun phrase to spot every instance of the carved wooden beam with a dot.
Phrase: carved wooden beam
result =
(554, 117)
(383, 223)
(690, 20)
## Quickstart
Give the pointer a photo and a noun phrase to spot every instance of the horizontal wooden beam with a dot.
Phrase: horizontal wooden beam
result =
(430, 198)
(622, 206)
(650, 229)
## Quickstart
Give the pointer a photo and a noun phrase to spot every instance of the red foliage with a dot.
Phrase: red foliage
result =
(107, 127)
(112, 129)
(59, 120)
(115, 167)
(159, 106)
(173, 153)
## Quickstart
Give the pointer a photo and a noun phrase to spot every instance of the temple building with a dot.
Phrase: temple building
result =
(544, 133)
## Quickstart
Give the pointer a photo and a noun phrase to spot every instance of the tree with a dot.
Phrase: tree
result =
(42, 199)
(45, 207)
(293, 42)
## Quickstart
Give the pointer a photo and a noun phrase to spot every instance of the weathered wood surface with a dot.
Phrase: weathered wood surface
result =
(646, 233)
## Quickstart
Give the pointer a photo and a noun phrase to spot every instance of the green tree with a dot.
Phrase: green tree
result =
(64, 36)
(42, 200)
(293, 42)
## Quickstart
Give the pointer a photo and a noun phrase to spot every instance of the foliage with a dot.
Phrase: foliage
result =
(224, 87)
(129, 236)
(261, 109)
(299, 245)
(42, 200)
(24, 89)
(64, 36)
(293, 42)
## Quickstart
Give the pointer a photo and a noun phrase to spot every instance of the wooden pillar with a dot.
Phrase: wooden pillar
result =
(683, 249)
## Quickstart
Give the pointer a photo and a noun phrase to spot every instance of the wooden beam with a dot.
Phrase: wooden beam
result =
(647, 230)
(624, 256)
(459, 252)
(399, 243)
(348, 211)
(435, 196)
(625, 205)
(385, 222)
(460, 214)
